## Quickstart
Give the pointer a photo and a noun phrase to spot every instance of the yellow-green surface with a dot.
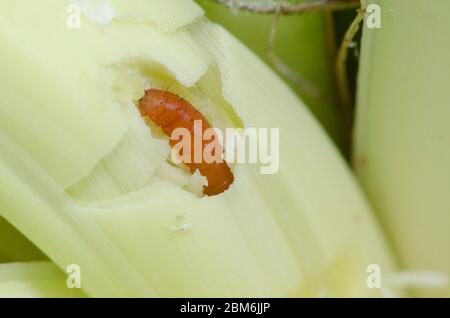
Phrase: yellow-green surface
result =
(14, 246)
(34, 280)
(402, 138)
(82, 175)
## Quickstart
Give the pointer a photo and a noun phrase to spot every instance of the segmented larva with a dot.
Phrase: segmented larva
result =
(170, 112)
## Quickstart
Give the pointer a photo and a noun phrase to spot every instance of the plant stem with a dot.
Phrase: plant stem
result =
(272, 7)
(346, 99)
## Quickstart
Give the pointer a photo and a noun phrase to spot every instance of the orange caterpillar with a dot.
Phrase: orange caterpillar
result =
(170, 112)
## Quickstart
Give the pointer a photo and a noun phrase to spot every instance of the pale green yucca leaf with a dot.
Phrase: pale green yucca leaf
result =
(14, 246)
(34, 280)
(402, 135)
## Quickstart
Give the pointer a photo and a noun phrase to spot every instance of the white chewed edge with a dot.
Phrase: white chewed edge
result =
(96, 11)
(413, 279)
(197, 182)
(193, 183)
